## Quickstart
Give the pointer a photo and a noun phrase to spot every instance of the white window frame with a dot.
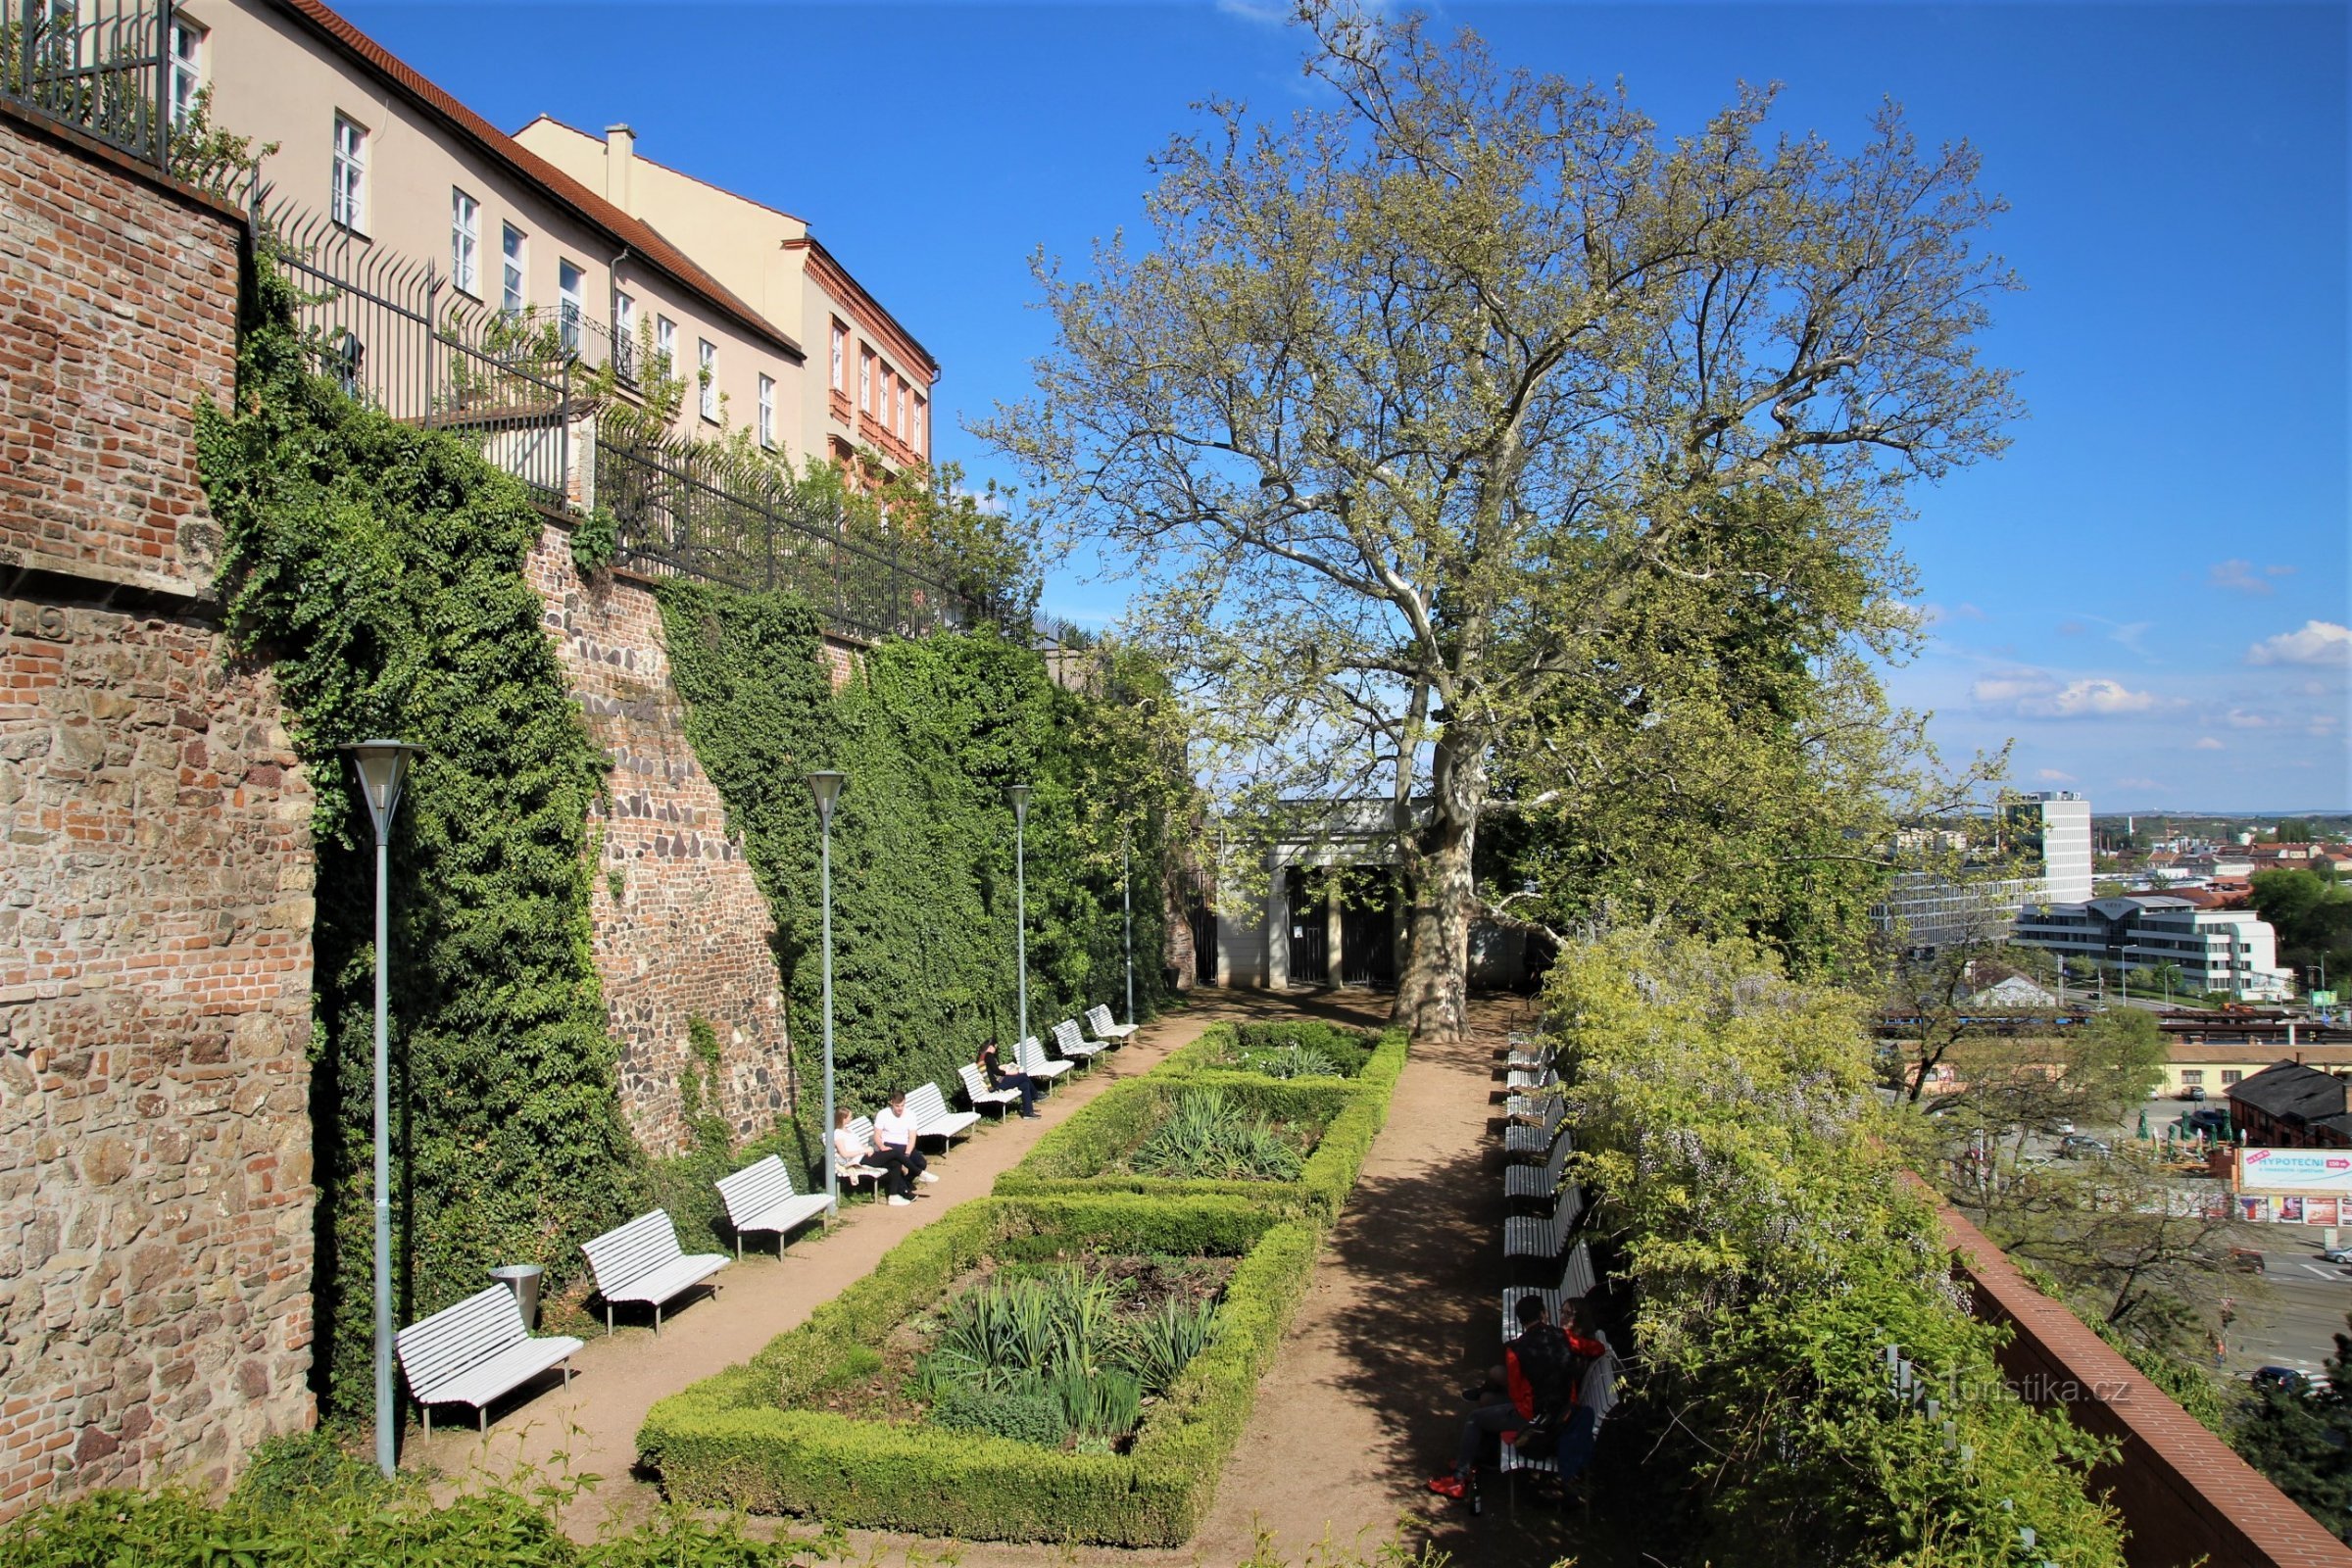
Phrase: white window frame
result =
(840, 359)
(514, 269)
(921, 440)
(624, 334)
(865, 379)
(571, 300)
(706, 376)
(346, 188)
(665, 344)
(768, 412)
(187, 68)
(465, 242)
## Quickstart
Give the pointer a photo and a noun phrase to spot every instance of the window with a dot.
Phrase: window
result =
(865, 378)
(706, 353)
(2191, 1077)
(921, 438)
(347, 201)
(510, 296)
(465, 242)
(767, 411)
(898, 409)
(2231, 1075)
(187, 68)
(572, 306)
(665, 344)
(841, 369)
(624, 335)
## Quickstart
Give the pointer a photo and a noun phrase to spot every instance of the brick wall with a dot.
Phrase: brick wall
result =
(2183, 1495)
(689, 933)
(155, 871)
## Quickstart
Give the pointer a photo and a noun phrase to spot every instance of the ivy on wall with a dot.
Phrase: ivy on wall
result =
(930, 733)
(378, 569)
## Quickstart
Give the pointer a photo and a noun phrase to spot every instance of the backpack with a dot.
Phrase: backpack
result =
(1555, 1373)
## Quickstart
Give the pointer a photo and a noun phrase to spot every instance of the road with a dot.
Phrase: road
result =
(2301, 1310)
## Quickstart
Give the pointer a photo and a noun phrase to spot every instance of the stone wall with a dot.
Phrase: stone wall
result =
(682, 930)
(155, 869)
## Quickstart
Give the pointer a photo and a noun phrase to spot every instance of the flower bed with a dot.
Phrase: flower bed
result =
(1255, 1047)
(1087, 1153)
(758, 1437)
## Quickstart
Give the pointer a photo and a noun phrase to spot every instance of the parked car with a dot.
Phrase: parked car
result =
(2335, 1254)
(2076, 1146)
(2246, 1259)
(2278, 1377)
(2193, 1092)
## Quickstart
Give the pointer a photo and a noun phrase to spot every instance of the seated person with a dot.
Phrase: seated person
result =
(1542, 1370)
(850, 1150)
(895, 1141)
(999, 1078)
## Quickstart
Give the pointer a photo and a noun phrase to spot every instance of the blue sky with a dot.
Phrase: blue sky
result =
(2149, 591)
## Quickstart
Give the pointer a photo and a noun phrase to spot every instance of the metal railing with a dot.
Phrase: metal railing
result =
(522, 389)
(102, 67)
(682, 508)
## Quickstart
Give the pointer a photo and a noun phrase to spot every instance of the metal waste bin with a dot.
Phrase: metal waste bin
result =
(524, 1280)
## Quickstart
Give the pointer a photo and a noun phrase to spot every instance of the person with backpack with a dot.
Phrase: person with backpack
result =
(1543, 1374)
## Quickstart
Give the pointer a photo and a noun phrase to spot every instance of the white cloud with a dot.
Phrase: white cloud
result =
(2319, 642)
(2279, 571)
(2050, 775)
(2208, 744)
(2237, 576)
(2087, 698)
(1968, 613)
(2009, 685)
(2241, 718)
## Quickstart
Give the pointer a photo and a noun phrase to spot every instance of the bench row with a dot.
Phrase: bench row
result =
(480, 1348)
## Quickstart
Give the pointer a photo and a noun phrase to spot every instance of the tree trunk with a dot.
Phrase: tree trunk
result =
(1432, 993)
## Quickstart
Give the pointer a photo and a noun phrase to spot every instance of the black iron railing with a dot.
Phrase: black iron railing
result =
(101, 67)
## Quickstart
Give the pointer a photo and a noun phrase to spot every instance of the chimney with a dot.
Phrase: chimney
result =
(620, 161)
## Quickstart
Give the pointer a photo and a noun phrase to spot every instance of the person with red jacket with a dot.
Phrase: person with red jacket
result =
(1542, 1370)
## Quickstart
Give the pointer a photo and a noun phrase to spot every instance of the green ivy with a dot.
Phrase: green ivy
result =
(377, 567)
(929, 734)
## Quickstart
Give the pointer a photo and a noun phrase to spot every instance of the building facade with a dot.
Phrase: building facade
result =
(867, 386)
(2228, 951)
(1928, 910)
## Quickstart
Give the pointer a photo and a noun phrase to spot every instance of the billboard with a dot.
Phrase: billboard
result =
(2295, 1170)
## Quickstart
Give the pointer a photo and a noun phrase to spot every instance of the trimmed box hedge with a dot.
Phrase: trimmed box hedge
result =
(1351, 1048)
(1079, 1155)
(729, 1442)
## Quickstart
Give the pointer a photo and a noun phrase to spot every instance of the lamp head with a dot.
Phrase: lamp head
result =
(383, 770)
(827, 788)
(1018, 795)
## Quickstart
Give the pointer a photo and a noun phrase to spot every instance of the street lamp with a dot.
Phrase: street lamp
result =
(1018, 795)
(1127, 920)
(384, 769)
(827, 788)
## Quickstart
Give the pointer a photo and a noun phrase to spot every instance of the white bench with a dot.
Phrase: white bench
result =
(1539, 1181)
(976, 1090)
(1098, 1018)
(928, 1109)
(861, 1130)
(472, 1353)
(1544, 1236)
(760, 1197)
(1534, 1138)
(1576, 1279)
(1533, 1103)
(1037, 1064)
(1528, 1052)
(642, 1261)
(1070, 1042)
(1527, 1079)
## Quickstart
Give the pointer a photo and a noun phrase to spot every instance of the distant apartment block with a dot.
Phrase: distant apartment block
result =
(1927, 910)
(2230, 950)
(867, 385)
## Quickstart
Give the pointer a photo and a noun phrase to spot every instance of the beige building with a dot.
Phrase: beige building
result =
(869, 381)
(405, 174)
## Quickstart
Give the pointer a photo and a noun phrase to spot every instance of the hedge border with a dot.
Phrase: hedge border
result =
(726, 1440)
(1207, 1051)
(1069, 1161)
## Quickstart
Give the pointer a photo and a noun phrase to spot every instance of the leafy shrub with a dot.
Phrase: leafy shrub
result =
(1005, 1334)
(1024, 1414)
(1210, 1137)
(306, 1468)
(1287, 1061)
(729, 1441)
(1241, 1047)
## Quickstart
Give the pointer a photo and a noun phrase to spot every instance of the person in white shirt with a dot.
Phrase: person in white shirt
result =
(849, 1149)
(895, 1147)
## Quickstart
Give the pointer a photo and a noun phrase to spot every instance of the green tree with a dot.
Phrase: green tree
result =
(1413, 396)
(2312, 915)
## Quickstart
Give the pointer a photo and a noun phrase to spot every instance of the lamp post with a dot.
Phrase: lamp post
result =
(827, 788)
(1127, 920)
(383, 767)
(1018, 795)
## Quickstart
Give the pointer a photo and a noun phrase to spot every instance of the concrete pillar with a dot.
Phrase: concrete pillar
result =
(1331, 930)
(1278, 928)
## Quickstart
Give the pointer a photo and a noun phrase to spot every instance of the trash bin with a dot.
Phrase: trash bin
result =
(524, 1280)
